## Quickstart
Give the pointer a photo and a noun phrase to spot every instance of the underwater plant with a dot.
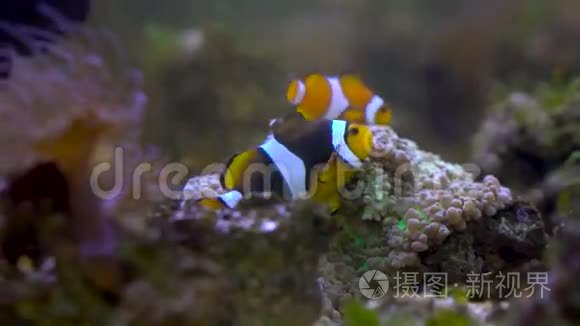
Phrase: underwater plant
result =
(64, 108)
(24, 26)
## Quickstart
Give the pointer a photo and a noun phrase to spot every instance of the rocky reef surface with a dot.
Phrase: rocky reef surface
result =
(407, 211)
(531, 141)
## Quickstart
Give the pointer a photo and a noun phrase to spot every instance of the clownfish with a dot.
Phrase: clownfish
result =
(308, 159)
(343, 97)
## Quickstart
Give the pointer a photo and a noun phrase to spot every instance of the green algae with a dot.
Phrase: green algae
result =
(355, 314)
(449, 318)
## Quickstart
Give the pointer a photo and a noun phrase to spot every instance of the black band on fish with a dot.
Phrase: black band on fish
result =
(339, 129)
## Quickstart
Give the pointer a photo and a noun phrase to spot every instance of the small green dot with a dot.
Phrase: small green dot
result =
(364, 266)
(402, 225)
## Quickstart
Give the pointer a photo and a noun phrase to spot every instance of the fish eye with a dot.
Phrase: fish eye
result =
(383, 109)
(353, 131)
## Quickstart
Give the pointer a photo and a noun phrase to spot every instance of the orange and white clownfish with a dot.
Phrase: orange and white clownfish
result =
(343, 97)
(297, 160)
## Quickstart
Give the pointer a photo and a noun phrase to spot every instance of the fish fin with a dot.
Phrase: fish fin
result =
(235, 168)
(297, 116)
(353, 115)
(294, 117)
(329, 199)
(273, 122)
(229, 199)
(304, 112)
(351, 74)
(332, 201)
(225, 170)
(321, 179)
(333, 207)
(384, 115)
(213, 204)
(327, 172)
(326, 190)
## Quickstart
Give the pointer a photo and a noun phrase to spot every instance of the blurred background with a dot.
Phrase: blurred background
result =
(216, 71)
(494, 82)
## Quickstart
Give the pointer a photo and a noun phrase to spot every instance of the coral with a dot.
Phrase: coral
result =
(204, 186)
(422, 214)
(530, 140)
(558, 304)
(512, 236)
(417, 212)
(425, 198)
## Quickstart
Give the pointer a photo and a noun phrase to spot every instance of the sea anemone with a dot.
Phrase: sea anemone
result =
(63, 109)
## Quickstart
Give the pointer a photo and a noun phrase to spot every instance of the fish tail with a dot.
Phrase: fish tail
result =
(229, 199)
(236, 167)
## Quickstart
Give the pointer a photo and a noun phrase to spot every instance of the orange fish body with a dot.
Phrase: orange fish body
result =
(343, 97)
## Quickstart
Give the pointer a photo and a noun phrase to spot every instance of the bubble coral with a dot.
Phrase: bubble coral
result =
(427, 198)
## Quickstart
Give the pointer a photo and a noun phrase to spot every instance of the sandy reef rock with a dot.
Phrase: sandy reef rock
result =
(267, 256)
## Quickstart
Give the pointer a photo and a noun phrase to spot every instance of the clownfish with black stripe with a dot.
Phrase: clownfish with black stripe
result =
(298, 160)
(343, 97)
